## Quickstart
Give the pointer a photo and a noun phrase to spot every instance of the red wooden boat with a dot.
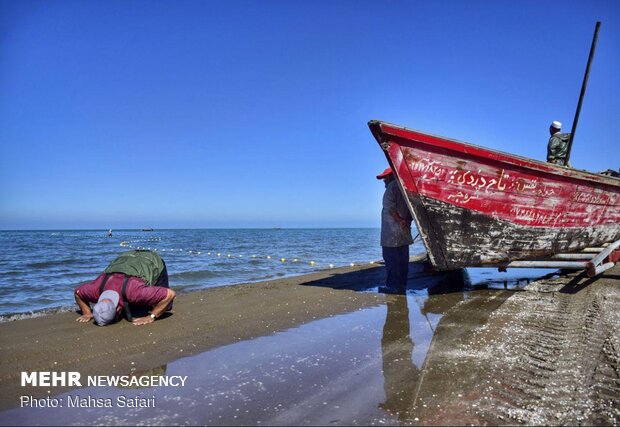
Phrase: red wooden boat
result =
(474, 206)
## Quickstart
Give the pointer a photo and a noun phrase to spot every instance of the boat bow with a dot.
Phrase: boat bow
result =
(474, 206)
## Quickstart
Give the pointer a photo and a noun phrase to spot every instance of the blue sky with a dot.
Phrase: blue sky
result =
(127, 114)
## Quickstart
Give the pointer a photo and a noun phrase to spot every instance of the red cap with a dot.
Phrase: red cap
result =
(384, 173)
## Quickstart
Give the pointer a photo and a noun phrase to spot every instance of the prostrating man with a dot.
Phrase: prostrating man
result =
(136, 278)
(395, 235)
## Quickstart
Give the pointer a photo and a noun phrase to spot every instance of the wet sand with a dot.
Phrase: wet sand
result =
(547, 356)
(318, 349)
(201, 320)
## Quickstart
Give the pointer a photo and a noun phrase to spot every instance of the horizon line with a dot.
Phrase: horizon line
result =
(188, 228)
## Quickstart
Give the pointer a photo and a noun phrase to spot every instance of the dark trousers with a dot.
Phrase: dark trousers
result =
(397, 266)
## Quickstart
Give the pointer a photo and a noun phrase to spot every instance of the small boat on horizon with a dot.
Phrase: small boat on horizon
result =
(474, 206)
(147, 229)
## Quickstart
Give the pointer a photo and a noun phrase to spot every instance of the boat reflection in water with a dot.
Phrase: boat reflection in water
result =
(440, 389)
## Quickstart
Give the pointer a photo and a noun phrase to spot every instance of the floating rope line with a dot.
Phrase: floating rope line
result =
(136, 244)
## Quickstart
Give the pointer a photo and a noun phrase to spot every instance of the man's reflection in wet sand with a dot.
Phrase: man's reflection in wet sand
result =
(400, 374)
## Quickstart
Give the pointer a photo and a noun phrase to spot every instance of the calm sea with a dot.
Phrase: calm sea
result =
(40, 269)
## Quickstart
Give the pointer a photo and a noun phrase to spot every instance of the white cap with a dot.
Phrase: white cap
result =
(104, 312)
(557, 125)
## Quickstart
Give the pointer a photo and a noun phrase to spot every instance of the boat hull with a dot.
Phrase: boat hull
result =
(475, 206)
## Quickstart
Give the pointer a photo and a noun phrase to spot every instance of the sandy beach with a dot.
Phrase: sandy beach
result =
(547, 352)
(201, 320)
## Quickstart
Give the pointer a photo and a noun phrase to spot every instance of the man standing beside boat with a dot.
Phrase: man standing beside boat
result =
(557, 148)
(395, 235)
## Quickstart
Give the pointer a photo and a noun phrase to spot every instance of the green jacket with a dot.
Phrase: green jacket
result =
(145, 264)
(557, 148)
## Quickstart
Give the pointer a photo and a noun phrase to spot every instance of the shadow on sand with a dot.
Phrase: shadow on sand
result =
(419, 278)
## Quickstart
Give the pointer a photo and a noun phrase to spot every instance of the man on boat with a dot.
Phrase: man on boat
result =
(557, 148)
(395, 235)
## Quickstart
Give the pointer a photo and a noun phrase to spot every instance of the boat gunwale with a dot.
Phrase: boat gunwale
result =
(489, 155)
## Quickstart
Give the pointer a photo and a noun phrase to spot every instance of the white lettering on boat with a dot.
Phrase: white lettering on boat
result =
(535, 217)
(478, 182)
(426, 166)
(461, 197)
(590, 198)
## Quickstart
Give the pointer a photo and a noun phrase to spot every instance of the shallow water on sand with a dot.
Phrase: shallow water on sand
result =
(366, 367)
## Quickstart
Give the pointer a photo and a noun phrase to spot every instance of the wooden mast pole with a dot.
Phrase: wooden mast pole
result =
(583, 91)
